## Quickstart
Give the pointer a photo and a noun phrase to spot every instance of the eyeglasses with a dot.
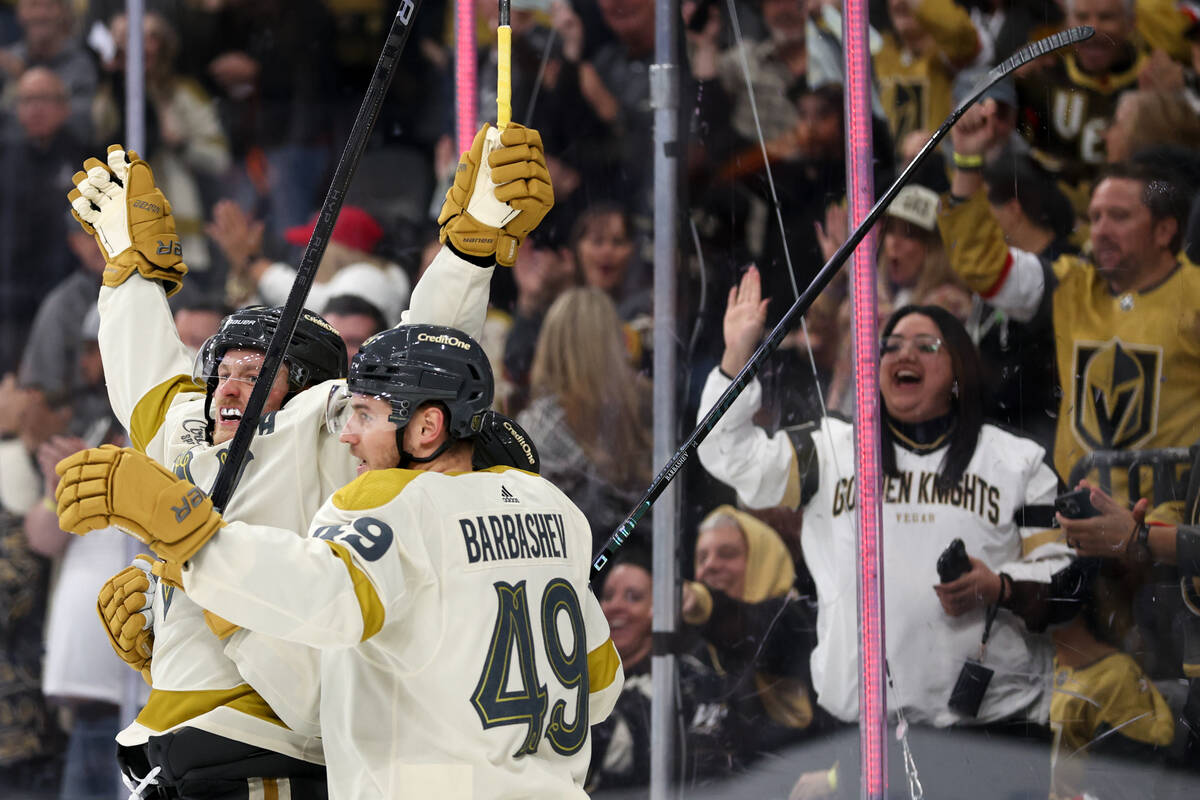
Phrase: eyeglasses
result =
(925, 344)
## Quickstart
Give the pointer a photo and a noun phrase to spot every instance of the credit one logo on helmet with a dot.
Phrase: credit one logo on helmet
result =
(453, 341)
(520, 440)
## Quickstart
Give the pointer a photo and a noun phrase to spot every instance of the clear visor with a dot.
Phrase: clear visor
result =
(242, 366)
(348, 412)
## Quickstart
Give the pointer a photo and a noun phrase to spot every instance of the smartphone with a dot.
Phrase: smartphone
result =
(953, 563)
(1076, 504)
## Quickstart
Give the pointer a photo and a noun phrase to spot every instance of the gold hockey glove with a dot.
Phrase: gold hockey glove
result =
(501, 191)
(119, 204)
(118, 486)
(126, 607)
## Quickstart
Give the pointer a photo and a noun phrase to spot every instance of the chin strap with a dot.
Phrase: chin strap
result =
(407, 458)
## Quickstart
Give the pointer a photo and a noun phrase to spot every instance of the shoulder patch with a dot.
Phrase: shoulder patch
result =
(151, 410)
(373, 488)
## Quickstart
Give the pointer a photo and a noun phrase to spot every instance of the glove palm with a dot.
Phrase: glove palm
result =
(120, 205)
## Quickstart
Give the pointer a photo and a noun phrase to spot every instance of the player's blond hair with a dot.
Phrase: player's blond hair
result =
(582, 359)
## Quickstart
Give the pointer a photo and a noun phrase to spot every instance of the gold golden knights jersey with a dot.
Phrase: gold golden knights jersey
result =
(1005, 484)
(250, 688)
(463, 653)
(916, 90)
(1108, 705)
(1129, 364)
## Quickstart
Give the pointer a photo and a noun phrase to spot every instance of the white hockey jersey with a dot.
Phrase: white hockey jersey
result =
(925, 647)
(250, 688)
(463, 654)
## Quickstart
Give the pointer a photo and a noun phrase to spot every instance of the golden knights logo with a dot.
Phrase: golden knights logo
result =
(909, 105)
(1115, 394)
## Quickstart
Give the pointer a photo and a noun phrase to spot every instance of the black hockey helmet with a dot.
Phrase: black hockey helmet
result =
(413, 364)
(501, 442)
(315, 354)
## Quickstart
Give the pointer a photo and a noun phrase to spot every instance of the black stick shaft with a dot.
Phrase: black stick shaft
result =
(822, 279)
(364, 123)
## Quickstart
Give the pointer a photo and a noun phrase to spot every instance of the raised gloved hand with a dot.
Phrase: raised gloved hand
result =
(474, 219)
(126, 607)
(119, 204)
(117, 486)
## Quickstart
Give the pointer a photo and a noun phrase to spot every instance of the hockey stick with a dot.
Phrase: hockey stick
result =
(822, 279)
(364, 123)
(504, 67)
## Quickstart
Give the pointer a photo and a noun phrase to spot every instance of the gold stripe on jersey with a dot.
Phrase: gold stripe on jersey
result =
(364, 590)
(151, 410)
(603, 663)
(791, 492)
(373, 489)
(166, 709)
(1041, 539)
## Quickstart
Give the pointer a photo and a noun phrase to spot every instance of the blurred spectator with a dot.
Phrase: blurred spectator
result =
(755, 634)
(621, 745)
(1105, 709)
(276, 99)
(615, 82)
(196, 317)
(949, 475)
(1145, 119)
(929, 42)
(775, 65)
(30, 742)
(49, 41)
(51, 358)
(1169, 554)
(348, 265)
(355, 318)
(605, 257)
(589, 412)
(1066, 106)
(1018, 357)
(82, 675)
(184, 139)
(544, 269)
(38, 160)
(1125, 321)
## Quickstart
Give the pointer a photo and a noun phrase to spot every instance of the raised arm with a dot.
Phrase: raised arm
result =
(1009, 278)
(147, 367)
(765, 470)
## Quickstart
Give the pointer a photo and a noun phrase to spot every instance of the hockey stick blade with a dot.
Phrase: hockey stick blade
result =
(356, 143)
(771, 343)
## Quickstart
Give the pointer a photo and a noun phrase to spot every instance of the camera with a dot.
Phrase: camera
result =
(953, 563)
(1076, 504)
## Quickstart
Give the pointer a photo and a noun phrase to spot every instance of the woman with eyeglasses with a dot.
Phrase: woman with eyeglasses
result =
(948, 475)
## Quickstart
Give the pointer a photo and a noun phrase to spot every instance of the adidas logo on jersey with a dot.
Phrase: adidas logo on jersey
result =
(508, 496)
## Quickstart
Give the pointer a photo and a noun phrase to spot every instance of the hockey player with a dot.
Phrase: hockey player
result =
(224, 715)
(1126, 320)
(462, 652)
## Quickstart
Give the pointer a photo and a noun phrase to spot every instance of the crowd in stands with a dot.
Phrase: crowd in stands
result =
(1039, 305)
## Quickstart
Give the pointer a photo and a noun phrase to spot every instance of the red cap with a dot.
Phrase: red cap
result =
(355, 228)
